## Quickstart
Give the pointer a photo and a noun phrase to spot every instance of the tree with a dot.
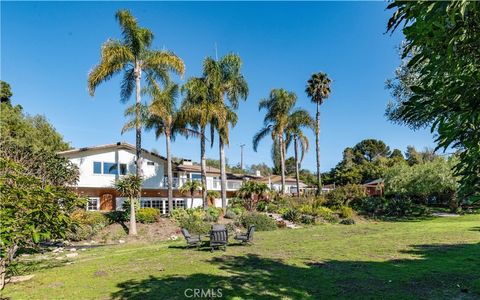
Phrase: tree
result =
(190, 187)
(279, 105)
(133, 55)
(262, 168)
(5, 92)
(36, 199)
(199, 111)
(397, 154)
(318, 89)
(441, 54)
(224, 81)
(370, 149)
(297, 121)
(251, 191)
(130, 186)
(211, 196)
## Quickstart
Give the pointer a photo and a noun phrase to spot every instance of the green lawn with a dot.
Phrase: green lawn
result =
(430, 259)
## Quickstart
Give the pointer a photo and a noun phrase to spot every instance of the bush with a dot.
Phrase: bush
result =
(345, 195)
(230, 215)
(261, 221)
(191, 219)
(307, 209)
(372, 205)
(346, 212)
(86, 224)
(399, 207)
(307, 219)
(212, 214)
(348, 221)
(116, 216)
(147, 215)
(292, 215)
(325, 213)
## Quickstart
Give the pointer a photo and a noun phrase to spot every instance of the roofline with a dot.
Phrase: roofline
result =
(106, 146)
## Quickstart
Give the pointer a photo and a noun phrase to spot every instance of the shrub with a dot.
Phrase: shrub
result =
(282, 210)
(399, 207)
(372, 205)
(212, 214)
(345, 195)
(116, 216)
(147, 215)
(326, 214)
(307, 219)
(262, 206)
(307, 209)
(292, 215)
(348, 221)
(230, 215)
(346, 212)
(261, 221)
(86, 224)
(191, 219)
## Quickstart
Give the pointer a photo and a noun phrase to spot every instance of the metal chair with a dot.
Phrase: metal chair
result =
(191, 240)
(246, 237)
(218, 238)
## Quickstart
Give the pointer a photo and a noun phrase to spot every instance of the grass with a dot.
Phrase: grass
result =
(427, 259)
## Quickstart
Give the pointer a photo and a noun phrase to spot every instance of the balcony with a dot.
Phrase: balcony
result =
(212, 184)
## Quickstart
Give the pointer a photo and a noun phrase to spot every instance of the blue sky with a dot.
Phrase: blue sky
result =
(47, 49)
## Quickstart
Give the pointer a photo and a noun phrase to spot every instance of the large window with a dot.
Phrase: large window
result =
(97, 167)
(92, 204)
(196, 176)
(110, 168)
(123, 169)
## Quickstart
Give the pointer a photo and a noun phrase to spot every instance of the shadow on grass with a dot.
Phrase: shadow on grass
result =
(475, 228)
(434, 272)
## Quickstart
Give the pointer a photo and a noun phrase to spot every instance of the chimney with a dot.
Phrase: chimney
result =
(187, 162)
(258, 173)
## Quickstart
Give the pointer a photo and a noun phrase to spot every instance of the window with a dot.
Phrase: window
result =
(150, 163)
(110, 168)
(123, 169)
(92, 204)
(157, 204)
(145, 203)
(97, 167)
(178, 204)
(196, 176)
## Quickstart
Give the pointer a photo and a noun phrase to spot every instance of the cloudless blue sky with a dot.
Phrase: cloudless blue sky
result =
(48, 48)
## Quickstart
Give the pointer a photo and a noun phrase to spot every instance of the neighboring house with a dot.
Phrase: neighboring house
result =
(375, 187)
(274, 182)
(101, 165)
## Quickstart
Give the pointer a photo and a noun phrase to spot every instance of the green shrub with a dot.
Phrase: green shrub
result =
(282, 210)
(307, 219)
(346, 212)
(230, 215)
(372, 205)
(307, 209)
(116, 216)
(292, 215)
(348, 221)
(345, 195)
(212, 214)
(261, 221)
(191, 219)
(326, 214)
(147, 215)
(399, 207)
(126, 207)
(262, 206)
(86, 224)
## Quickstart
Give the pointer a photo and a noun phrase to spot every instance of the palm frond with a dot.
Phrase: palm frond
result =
(260, 135)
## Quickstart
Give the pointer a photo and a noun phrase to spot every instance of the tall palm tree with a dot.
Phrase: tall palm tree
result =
(318, 89)
(199, 111)
(278, 107)
(297, 121)
(225, 82)
(132, 55)
(130, 186)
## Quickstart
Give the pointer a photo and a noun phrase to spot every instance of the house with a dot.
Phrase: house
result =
(375, 187)
(274, 182)
(101, 165)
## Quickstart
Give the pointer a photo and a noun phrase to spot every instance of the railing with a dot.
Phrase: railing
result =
(212, 184)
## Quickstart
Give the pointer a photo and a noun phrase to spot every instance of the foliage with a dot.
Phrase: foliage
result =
(261, 221)
(213, 214)
(230, 214)
(86, 224)
(308, 219)
(23, 130)
(430, 182)
(264, 169)
(5, 92)
(130, 186)
(345, 195)
(148, 215)
(191, 219)
(345, 212)
(117, 216)
(191, 186)
(326, 214)
(292, 215)
(348, 221)
(443, 66)
(251, 192)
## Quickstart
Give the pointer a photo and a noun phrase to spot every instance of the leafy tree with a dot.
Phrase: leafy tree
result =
(262, 167)
(251, 191)
(35, 199)
(318, 89)
(397, 154)
(130, 186)
(370, 149)
(191, 186)
(5, 92)
(443, 58)
(133, 56)
(279, 105)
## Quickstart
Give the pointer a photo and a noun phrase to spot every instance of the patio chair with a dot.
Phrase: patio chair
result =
(246, 237)
(191, 240)
(218, 238)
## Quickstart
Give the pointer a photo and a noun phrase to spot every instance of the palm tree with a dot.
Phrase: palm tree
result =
(199, 111)
(190, 187)
(278, 105)
(225, 80)
(133, 55)
(212, 195)
(130, 186)
(249, 190)
(298, 120)
(318, 89)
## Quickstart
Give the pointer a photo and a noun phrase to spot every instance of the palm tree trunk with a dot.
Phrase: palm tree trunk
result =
(203, 167)
(282, 163)
(138, 144)
(223, 175)
(169, 172)
(297, 167)
(317, 148)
